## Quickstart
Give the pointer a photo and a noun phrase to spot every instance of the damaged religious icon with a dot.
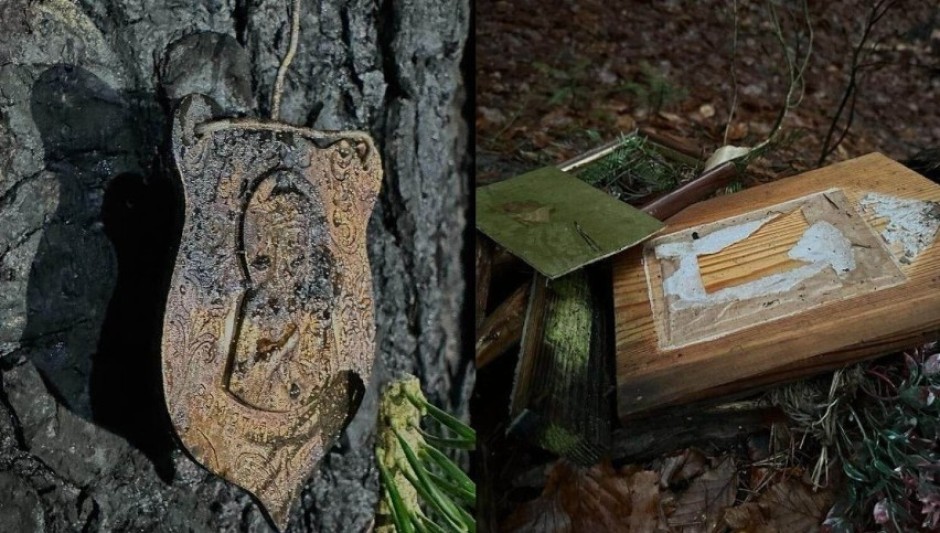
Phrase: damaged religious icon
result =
(780, 281)
(268, 335)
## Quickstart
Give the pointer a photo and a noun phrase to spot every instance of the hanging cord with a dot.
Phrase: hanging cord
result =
(285, 63)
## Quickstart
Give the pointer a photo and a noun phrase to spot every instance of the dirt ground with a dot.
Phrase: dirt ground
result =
(557, 78)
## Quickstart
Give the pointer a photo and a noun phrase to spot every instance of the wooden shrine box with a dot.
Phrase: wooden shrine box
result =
(776, 282)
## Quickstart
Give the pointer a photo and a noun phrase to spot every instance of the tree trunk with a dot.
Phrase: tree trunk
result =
(88, 223)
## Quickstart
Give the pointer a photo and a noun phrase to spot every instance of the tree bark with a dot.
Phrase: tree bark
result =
(88, 222)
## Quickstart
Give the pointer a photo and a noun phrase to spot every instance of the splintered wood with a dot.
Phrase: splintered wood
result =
(268, 333)
(779, 281)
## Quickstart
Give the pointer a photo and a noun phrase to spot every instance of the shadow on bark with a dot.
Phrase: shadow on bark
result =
(98, 280)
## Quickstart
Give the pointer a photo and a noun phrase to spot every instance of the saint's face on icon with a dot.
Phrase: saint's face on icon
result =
(284, 338)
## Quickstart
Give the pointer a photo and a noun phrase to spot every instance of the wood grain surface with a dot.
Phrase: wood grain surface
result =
(560, 398)
(823, 322)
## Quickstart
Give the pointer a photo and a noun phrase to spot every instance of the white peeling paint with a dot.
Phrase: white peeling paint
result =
(821, 246)
(826, 244)
(686, 282)
(717, 241)
(714, 242)
(912, 224)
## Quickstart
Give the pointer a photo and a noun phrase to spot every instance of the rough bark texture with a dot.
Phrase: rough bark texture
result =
(88, 220)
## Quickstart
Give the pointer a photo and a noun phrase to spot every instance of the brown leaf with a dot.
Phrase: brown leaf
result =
(682, 466)
(556, 119)
(792, 505)
(700, 507)
(759, 477)
(591, 499)
(671, 117)
(737, 131)
(746, 517)
(490, 116)
(625, 122)
(787, 506)
(540, 139)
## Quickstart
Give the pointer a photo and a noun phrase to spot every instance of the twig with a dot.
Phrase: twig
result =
(794, 72)
(503, 328)
(734, 75)
(882, 377)
(255, 124)
(484, 275)
(878, 10)
(285, 63)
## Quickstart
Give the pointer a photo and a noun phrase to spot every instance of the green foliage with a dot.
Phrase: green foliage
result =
(653, 91)
(571, 83)
(778, 140)
(593, 135)
(881, 428)
(635, 169)
(423, 489)
(892, 461)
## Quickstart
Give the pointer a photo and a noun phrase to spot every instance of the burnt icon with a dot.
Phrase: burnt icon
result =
(284, 345)
(269, 333)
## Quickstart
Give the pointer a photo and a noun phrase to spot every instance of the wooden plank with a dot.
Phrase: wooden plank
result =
(502, 329)
(769, 306)
(559, 398)
(484, 276)
(692, 426)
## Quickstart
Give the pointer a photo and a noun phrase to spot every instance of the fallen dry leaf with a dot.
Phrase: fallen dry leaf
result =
(726, 153)
(625, 123)
(785, 507)
(758, 477)
(700, 507)
(599, 498)
(540, 139)
(556, 119)
(682, 466)
(671, 117)
(746, 517)
(491, 116)
(737, 131)
(792, 505)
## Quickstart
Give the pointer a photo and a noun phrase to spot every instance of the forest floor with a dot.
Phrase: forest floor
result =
(556, 79)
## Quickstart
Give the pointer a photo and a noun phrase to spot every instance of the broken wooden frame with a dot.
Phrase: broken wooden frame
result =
(501, 329)
(560, 399)
(777, 282)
